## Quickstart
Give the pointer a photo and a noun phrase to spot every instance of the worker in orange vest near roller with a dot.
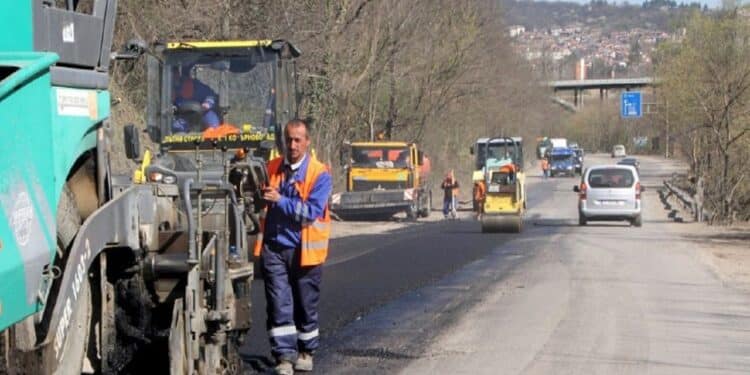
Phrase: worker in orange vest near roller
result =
(480, 191)
(545, 168)
(293, 244)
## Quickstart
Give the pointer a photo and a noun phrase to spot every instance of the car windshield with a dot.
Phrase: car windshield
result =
(611, 178)
(245, 83)
(380, 157)
(628, 161)
(496, 151)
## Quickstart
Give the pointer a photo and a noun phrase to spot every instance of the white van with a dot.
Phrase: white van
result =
(609, 192)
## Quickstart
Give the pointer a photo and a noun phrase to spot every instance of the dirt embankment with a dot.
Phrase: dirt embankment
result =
(724, 249)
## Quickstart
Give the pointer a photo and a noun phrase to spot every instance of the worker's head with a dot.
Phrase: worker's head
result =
(182, 82)
(297, 136)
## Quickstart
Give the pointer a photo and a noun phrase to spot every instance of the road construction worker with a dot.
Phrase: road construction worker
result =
(189, 89)
(293, 244)
(479, 192)
(545, 168)
(507, 174)
(450, 190)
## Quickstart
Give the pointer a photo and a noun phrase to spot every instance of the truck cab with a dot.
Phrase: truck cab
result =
(382, 179)
(563, 162)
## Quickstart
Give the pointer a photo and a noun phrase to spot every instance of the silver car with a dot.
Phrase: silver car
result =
(609, 192)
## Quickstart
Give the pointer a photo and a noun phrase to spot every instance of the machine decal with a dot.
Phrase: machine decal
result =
(190, 138)
(78, 280)
(32, 238)
(79, 103)
(69, 33)
(21, 218)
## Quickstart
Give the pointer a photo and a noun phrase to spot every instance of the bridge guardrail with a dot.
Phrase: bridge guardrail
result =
(686, 200)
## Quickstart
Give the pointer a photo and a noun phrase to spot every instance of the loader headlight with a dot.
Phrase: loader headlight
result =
(155, 177)
(336, 199)
(408, 194)
(161, 178)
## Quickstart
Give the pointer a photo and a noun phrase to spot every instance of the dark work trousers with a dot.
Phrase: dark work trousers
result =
(292, 295)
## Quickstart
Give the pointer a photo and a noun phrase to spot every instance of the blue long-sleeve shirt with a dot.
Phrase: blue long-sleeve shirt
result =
(285, 218)
(200, 92)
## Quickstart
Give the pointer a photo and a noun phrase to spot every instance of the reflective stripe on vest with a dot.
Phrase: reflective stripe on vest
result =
(315, 235)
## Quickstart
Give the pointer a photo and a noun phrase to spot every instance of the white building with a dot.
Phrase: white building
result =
(516, 30)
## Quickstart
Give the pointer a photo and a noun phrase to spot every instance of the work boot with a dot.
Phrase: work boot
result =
(304, 362)
(284, 367)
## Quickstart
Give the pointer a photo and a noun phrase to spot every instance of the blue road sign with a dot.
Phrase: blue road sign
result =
(630, 104)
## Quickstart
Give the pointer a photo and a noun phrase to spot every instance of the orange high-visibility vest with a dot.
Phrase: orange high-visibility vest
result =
(314, 235)
(220, 131)
(479, 190)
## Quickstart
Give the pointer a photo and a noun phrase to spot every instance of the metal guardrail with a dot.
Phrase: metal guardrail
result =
(686, 200)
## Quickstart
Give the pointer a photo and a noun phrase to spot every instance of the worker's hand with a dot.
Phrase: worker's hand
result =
(208, 103)
(271, 195)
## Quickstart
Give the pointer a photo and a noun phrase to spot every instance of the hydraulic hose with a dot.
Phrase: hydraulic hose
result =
(192, 253)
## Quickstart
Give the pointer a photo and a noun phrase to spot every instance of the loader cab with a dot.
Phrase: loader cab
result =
(235, 94)
(498, 151)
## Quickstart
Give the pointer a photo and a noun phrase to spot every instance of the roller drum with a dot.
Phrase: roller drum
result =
(501, 223)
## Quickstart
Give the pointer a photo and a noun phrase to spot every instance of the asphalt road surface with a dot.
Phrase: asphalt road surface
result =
(607, 298)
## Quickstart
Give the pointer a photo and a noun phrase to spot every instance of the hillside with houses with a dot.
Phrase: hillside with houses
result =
(612, 41)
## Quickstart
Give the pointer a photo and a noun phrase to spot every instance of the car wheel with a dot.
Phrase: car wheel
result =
(637, 221)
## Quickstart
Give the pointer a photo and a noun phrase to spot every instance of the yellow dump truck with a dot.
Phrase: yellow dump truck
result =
(383, 179)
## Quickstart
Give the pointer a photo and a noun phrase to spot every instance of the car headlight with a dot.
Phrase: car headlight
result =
(569, 167)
